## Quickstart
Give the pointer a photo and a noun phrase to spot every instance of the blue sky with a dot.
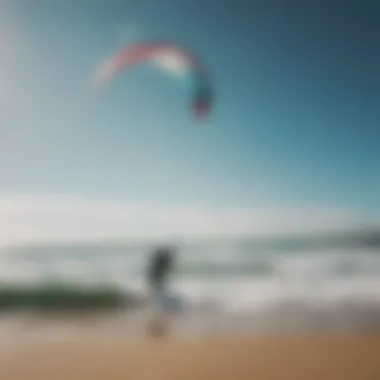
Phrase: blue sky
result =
(294, 124)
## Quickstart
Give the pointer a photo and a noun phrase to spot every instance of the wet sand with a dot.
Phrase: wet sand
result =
(325, 356)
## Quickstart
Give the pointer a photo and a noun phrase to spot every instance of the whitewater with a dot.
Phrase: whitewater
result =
(236, 275)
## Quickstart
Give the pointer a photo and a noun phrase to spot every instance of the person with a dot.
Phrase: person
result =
(160, 266)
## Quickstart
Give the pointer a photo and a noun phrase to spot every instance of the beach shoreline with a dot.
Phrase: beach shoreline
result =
(210, 320)
(292, 342)
(326, 356)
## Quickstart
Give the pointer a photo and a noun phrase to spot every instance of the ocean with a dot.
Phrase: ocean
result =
(235, 274)
(222, 286)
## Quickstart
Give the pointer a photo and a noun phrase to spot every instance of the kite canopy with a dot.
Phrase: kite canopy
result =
(174, 59)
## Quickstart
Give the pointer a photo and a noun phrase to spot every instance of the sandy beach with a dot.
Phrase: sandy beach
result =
(304, 357)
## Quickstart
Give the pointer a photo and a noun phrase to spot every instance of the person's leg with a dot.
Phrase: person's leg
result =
(158, 323)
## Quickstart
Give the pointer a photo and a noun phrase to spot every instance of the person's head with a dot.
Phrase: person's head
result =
(166, 251)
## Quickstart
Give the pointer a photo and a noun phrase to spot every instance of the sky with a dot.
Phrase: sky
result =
(294, 130)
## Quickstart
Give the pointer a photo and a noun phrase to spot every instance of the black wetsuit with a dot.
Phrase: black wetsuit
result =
(160, 265)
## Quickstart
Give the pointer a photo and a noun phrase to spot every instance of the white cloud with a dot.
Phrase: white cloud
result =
(36, 218)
